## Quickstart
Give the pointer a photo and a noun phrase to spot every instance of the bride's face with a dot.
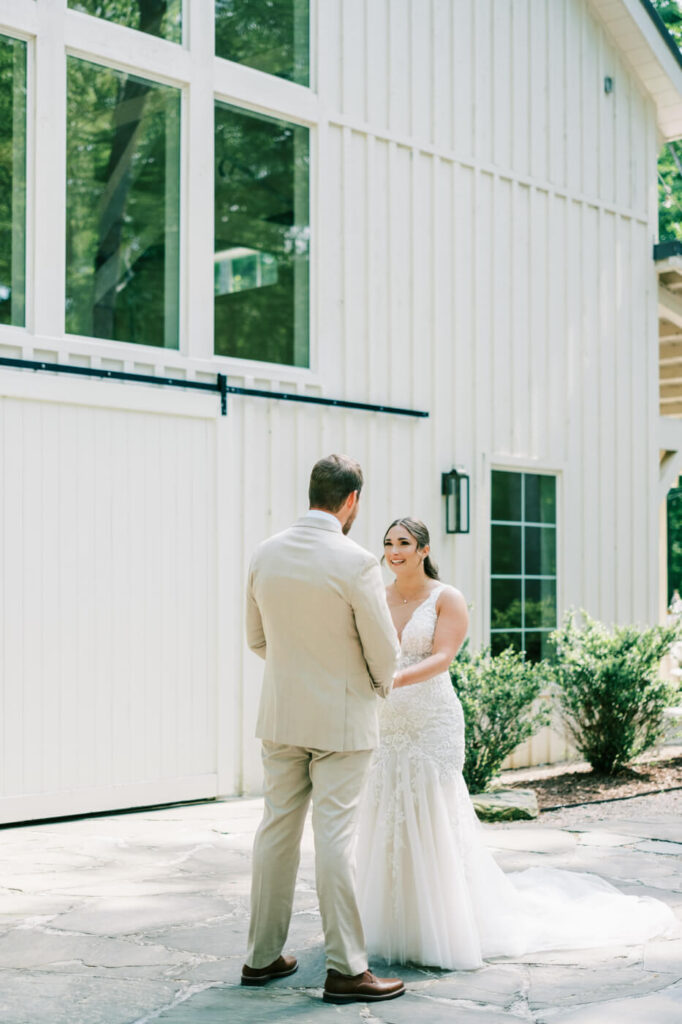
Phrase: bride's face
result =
(402, 555)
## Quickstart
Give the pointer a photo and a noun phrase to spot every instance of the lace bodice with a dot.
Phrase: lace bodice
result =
(417, 637)
(424, 719)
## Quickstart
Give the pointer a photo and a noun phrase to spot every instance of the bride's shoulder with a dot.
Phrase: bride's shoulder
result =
(450, 599)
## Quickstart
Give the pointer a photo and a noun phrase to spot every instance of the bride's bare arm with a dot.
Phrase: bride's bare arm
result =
(451, 628)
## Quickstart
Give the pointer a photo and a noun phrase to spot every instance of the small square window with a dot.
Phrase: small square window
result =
(506, 496)
(270, 35)
(157, 18)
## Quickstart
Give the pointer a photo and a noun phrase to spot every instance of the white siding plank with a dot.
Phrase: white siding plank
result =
(520, 88)
(483, 93)
(558, 91)
(539, 91)
(504, 398)
(502, 92)
(591, 395)
(463, 64)
(574, 97)
(421, 66)
(399, 67)
(14, 598)
(605, 420)
(520, 315)
(590, 106)
(376, 61)
(352, 47)
(443, 72)
(626, 488)
(539, 359)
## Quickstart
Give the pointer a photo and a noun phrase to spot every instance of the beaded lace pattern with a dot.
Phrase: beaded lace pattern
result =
(424, 720)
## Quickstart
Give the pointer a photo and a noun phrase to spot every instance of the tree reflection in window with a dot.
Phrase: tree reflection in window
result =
(270, 35)
(262, 237)
(12, 181)
(123, 168)
(156, 17)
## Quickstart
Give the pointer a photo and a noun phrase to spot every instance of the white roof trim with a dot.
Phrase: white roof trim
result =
(633, 30)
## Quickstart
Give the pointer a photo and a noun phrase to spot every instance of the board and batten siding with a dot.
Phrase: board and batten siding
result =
(107, 598)
(482, 219)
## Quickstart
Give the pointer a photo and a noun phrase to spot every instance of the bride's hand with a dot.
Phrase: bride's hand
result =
(398, 680)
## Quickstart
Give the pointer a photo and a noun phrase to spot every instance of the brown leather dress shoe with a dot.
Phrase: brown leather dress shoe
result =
(279, 968)
(360, 988)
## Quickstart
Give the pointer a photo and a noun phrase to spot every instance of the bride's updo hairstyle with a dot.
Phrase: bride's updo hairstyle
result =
(418, 530)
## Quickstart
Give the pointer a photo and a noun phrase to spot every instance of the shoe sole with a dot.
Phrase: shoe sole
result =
(268, 977)
(331, 998)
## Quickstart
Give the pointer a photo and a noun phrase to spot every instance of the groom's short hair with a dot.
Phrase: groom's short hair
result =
(332, 480)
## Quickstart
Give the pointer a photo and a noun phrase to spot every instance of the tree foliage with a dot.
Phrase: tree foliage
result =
(670, 158)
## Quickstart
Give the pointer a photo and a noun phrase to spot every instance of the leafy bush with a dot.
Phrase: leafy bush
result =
(497, 695)
(610, 695)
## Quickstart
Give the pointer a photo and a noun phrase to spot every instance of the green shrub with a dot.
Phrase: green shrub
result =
(610, 694)
(497, 695)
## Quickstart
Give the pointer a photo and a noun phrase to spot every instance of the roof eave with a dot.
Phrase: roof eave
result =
(644, 41)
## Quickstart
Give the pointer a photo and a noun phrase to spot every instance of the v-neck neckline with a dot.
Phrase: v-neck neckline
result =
(421, 604)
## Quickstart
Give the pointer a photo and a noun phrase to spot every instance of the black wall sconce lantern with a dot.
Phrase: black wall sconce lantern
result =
(455, 489)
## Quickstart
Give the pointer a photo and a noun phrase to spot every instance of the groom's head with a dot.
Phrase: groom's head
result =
(335, 485)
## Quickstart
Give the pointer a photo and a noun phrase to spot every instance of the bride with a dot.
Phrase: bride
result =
(429, 891)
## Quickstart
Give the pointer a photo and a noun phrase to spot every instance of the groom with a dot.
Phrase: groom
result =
(316, 612)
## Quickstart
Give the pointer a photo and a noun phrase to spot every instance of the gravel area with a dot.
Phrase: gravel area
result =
(636, 808)
(559, 786)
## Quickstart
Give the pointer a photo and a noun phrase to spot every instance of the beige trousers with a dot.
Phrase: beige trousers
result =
(334, 780)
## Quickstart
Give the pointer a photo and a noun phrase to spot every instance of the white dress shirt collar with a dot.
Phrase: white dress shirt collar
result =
(318, 513)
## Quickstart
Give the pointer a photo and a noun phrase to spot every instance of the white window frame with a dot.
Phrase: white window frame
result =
(52, 31)
(512, 465)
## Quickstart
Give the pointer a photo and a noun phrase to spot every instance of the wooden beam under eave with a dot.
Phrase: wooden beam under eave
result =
(671, 281)
(669, 305)
(670, 371)
(670, 408)
(673, 265)
(672, 391)
(670, 350)
(667, 330)
(669, 471)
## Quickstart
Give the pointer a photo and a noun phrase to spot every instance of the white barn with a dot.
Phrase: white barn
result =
(444, 206)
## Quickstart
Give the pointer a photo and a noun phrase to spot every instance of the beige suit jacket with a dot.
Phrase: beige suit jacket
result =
(316, 612)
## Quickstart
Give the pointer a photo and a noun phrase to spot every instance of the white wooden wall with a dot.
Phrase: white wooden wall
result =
(482, 217)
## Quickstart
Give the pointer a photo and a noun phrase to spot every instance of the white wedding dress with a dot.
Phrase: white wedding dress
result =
(428, 889)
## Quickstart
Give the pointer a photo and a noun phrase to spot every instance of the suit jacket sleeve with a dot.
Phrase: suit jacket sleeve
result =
(255, 634)
(375, 628)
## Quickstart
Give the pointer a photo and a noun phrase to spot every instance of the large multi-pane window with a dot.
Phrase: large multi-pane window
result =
(156, 17)
(12, 181)
(130, 173)
(270, 35)
(262, 237)
(523, 562)
(122, 206)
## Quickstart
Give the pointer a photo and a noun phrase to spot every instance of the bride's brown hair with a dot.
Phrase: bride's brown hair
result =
(418, 530)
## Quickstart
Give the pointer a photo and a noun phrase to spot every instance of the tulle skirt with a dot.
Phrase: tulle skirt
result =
(431, 893)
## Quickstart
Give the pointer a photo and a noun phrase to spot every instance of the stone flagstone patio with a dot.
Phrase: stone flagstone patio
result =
(141, 917)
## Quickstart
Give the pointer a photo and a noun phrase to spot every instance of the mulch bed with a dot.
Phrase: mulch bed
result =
(583, 786)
